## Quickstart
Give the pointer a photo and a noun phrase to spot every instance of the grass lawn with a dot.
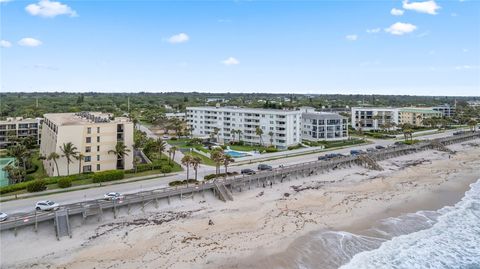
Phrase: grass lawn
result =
(205, 160)
(246, 147)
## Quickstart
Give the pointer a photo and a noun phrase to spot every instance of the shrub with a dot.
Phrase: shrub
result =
(32, 169)
(29, 178)
(173, 138)
(182, 182)
(110, 175)
(212, 176)
(14, 187)
(166, 169)
(294, 147)
(271, 149)
(36, 185)
(64, 182)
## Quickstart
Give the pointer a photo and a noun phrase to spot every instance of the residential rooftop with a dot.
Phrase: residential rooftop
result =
(83, 118)
(237, 108)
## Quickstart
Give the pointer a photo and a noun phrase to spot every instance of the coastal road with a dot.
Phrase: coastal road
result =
(27, 204)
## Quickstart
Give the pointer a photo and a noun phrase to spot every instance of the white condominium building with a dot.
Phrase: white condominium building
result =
(372, 118)
(281, 128)
(94, 134)
(17, 128)
(318, 126)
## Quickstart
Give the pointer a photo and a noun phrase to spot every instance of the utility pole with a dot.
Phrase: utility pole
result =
(128, 104)
(36, 102)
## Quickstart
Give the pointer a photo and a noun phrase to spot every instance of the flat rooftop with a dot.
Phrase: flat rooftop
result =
(83, 118)
(243, 109)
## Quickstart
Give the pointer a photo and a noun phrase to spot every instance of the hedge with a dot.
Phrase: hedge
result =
(212, 176)
(182, 182)
(108, 176)
(14, 187)
(36, 185)
(64, 182)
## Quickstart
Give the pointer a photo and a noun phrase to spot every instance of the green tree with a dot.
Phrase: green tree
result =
(69, 151)
(79, 157)
(160, 146)
(259, 133)
(121, 150)
(271, 137)
(195, 164)
(187, 160)
(472, 124)
(53, 156)
(217, 156)
(227, 160)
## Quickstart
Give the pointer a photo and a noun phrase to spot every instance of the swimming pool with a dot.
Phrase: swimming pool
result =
(3, 174)
(235, 154)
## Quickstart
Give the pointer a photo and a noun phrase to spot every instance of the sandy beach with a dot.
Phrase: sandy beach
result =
(259, 226)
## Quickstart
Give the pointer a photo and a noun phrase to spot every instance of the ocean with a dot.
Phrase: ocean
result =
(443, 239)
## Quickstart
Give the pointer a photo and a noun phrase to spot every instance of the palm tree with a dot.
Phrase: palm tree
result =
(69, 151)
(173, 149)
(160, 145)
(232, 133)
(216, 132)
(187, 160)
(136, 161)
(195, 164)
(80, 158)
(227, 160)
(407, 131)
(271, 137)
(19, 152)
(472, 124)
(259, 133)
(217, 157)
(239, 133)
(54, 157)
(121, 150)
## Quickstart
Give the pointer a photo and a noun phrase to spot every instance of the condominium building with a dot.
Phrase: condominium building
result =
(94, 134)
(318, 126)
(177, 115)
(281, 128)
(447, 110)
(373, 118)
(14, 128)
(415, 116)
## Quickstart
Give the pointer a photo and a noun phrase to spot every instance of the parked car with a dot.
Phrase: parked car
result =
(370, 150)
(262, 167)
(379, 147)
(248, 172)
(322, 158)
(3, 216)
(459, 133)
(355, 152)
(46, 205)
(112, 196)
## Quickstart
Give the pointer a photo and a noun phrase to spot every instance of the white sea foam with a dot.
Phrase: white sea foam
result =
(450, 239)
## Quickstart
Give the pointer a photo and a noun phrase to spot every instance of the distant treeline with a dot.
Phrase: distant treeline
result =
(143, 103)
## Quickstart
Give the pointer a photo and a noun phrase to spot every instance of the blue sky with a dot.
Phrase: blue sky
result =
(420, 47)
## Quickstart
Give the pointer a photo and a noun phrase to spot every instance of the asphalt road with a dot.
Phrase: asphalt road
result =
(27, 204)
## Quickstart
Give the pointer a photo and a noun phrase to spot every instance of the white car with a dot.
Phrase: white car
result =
(112, 196)
(46, 205)
(3, 216)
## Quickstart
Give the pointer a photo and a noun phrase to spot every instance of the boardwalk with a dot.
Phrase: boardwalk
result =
(224, 188)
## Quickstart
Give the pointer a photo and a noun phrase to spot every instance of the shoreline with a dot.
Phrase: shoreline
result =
(260, 224)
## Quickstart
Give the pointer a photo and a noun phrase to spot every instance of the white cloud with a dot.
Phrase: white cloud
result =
(179, 38)
(465, 67)
(397, 12)
(351, 37)
(230, 61)
(50, 9)
(428, 7)
(4, 1)
(29, 42)
(5, 44)
(373, 31)
(400, 28)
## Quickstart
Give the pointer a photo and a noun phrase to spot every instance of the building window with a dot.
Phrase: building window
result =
(98, 148)
(87, 168)
(98, 139)
(88, 159)
(88, 149)
(89, 130)
(88, 139)
(98, 129)
(98, 167)
(98, 157)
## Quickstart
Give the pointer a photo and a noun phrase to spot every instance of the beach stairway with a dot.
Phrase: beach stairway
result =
(62, 223)
(223, 193)
(439, 146)
(369, 162)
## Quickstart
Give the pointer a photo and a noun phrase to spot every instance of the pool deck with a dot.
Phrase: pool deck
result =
(4, 175)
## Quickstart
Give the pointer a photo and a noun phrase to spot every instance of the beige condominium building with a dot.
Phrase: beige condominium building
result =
(94, 134)
(415, 115)
(15, 128)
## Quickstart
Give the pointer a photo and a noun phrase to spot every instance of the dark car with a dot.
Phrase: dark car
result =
(459, 133)
(379, 147)
(263, 167)
(370, 150)
(322, 158)
(248, 172)
(355, 152)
